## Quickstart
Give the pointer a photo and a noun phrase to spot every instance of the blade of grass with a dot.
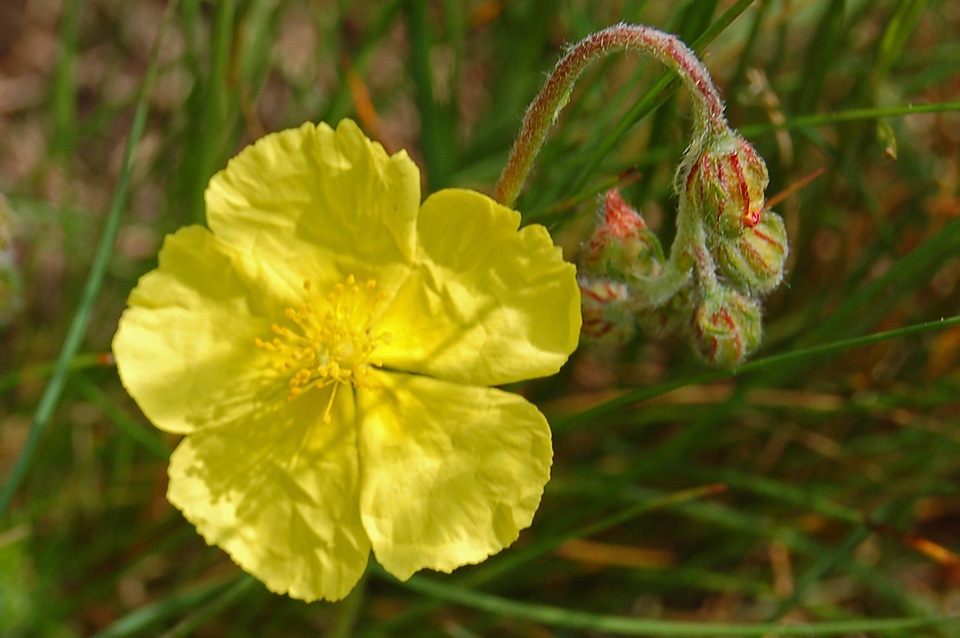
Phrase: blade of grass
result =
(881, 294)
(65, 81)
(214, 113)
(435, 127)
(571, 619)
(51, 395)
(694, 20)
(636, 396)
(508, 563)
(79, 362)
(127, 426)
(654, 97)
(242, 586)
(821, 52)
(141, 619)
(746, 54)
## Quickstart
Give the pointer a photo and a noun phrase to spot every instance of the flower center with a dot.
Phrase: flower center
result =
(329, 340)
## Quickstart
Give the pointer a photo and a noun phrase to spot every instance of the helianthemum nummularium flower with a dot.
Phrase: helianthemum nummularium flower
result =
(328, 347)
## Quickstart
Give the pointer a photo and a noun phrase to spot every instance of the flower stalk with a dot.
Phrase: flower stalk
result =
(728, 250)
(544, 110)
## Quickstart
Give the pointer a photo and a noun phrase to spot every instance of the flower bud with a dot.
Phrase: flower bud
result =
(725, 184)
(726, 327)
(606, 309)
(754, 261)
(621, 247)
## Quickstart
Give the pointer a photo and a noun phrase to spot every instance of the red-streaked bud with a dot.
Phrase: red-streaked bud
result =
(726, 327)
(607, 312)
(725, 184)
(754, 261)
(622, 247)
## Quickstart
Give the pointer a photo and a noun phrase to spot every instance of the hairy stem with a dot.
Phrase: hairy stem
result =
(543, 111)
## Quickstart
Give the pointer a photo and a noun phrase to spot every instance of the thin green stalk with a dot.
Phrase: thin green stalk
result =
(555, 94)
(819, 119)
(350, 610)
(821, 53)
(53, 391)
(215, 114)
(65, 81)
(436, 132)
(654, 97)
(141, 619)
(746, 56)
(242, 586)
(79, 362)
(573, 620)
(147, 438)
(509, 562)
(824, 350)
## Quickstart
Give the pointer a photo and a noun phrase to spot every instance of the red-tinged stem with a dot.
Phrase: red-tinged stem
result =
(543, 111)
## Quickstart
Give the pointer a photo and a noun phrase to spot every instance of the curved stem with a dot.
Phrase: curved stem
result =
(543, 111)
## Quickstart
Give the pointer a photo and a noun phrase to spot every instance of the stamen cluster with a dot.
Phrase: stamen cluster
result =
(331, 341)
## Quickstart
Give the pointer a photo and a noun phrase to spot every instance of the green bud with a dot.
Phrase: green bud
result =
(754, 261)
(607, 310)
(622, 248)
(726, 327)
(725, 184)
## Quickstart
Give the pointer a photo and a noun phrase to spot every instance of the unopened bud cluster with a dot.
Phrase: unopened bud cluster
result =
(9, 277)
(729, 251)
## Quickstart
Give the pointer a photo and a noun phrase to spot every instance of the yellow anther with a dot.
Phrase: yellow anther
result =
(329, 340)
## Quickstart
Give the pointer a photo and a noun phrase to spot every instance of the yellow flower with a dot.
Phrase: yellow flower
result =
(327, 348)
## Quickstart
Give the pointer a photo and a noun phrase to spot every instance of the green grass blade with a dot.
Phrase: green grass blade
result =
(851, 115)
(241, 587)
(51, 395)
(65, 81)
(147, 616)
(623, 626)
(659, 91)
(127, 426)
(636, 396)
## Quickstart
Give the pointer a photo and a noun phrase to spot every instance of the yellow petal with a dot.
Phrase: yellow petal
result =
(185, 345)
(485, 303)
(313, 196)
(450, 474)
(279, 493)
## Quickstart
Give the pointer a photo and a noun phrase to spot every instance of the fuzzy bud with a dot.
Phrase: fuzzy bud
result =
(606, 308)
(725, 184)
(622, 247)
(754, 261)
(726, 327)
